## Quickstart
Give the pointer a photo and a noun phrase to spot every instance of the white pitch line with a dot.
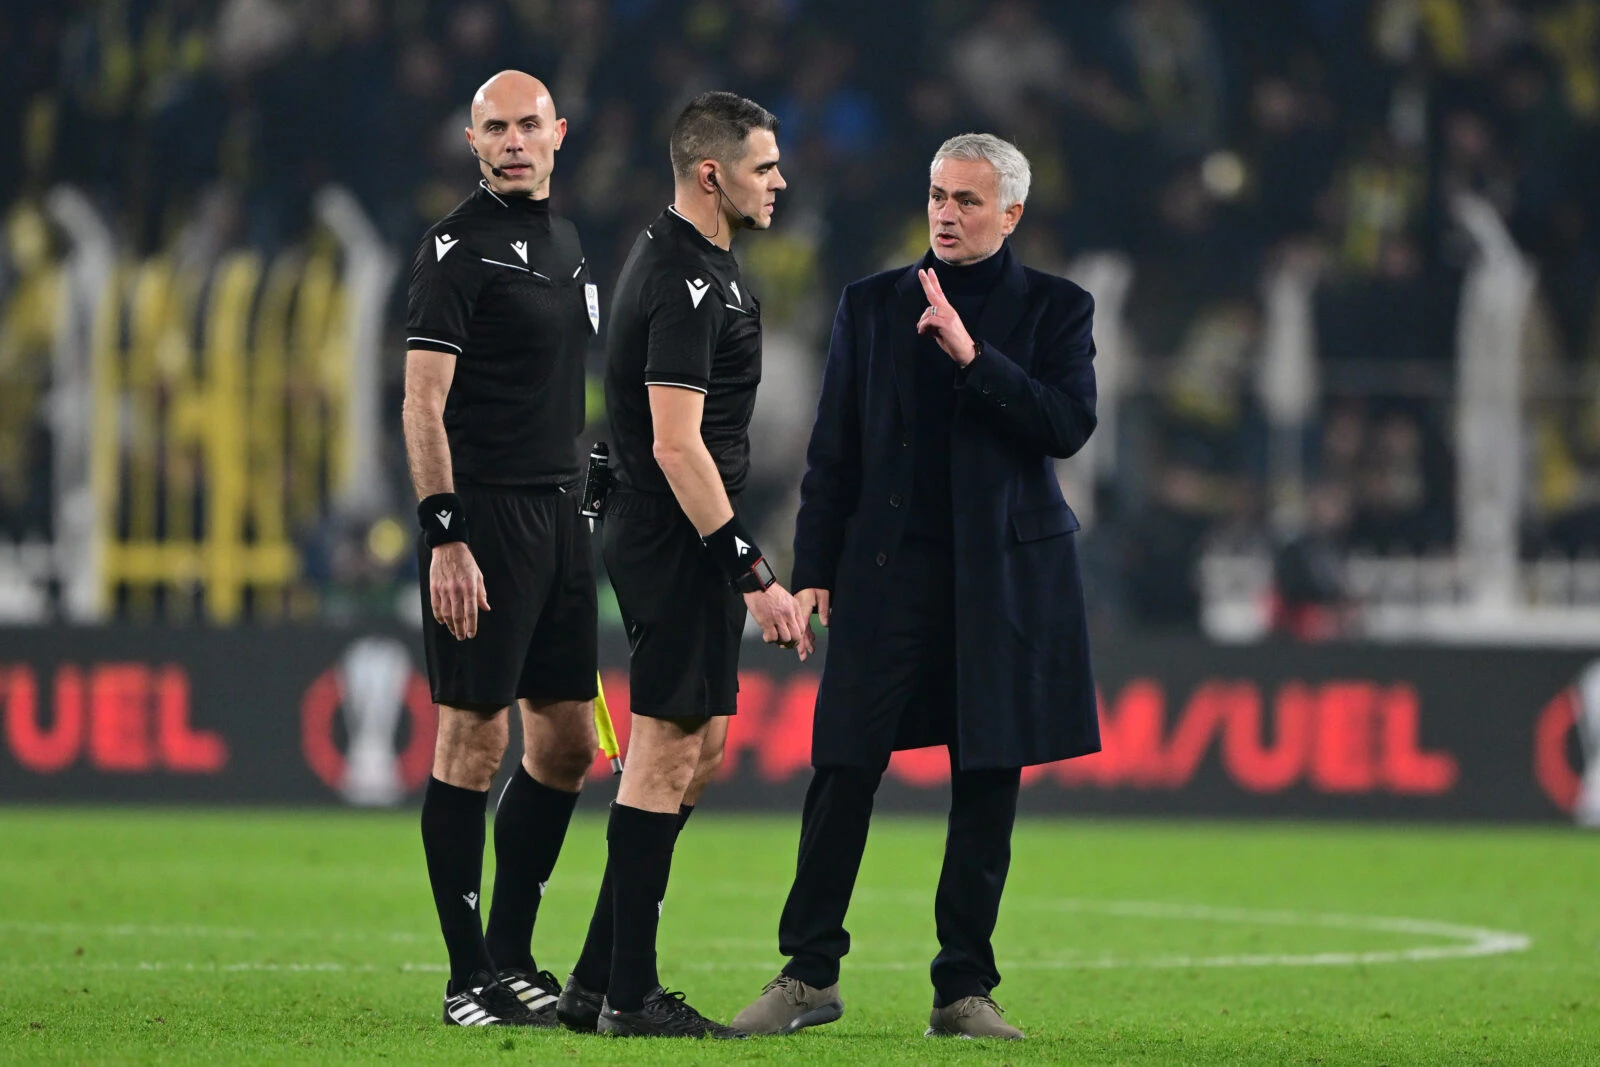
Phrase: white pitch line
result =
(1470, 941)
(211, 968)
(1473, 941)
(219, 932)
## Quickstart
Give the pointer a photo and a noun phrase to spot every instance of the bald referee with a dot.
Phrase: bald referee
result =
(501, 314)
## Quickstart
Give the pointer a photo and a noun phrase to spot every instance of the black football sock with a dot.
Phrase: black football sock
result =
(452, 839)
(529, 825)
(593, 969)
(639, 848)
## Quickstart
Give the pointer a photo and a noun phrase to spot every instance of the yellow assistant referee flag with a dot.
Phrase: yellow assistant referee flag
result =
(602, 725)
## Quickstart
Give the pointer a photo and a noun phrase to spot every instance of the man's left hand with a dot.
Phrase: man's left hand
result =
(941, 320)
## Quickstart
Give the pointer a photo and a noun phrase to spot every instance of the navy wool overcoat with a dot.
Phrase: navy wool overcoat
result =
(1025, 693)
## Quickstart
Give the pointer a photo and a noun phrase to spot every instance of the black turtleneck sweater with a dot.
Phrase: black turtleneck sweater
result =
(932, 517)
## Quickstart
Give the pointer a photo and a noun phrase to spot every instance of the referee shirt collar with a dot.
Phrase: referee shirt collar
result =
(513, 203)
(689, 229)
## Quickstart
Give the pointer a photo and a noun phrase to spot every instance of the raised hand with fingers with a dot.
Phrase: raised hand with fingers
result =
(940, 319)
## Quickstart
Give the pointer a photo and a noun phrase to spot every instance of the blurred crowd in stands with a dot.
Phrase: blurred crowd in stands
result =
(1207, 140)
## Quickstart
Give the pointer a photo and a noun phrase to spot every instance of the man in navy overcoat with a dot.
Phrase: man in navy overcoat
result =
(934, 542)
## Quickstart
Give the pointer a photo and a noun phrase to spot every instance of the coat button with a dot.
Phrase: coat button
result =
(882, 559)
(904, 443)
(894, 501)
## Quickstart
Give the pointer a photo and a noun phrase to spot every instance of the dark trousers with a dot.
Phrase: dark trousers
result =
(917, 651)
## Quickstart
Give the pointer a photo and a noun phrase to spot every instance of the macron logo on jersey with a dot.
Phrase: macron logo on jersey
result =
(471, 899)
(521, 249)
(735, 287)
(744, 549)
(443, 243)
(697, 289)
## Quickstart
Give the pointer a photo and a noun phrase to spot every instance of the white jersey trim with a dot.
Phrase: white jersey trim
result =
(678, 385)
(485, 183)
(435, 341)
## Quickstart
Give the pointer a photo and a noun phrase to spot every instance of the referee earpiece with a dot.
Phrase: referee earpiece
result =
(749, 223)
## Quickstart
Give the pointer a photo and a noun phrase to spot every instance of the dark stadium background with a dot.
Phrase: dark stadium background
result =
(1346, 256)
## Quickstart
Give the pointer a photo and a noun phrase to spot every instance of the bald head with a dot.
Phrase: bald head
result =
(513, 90)
(515, 129)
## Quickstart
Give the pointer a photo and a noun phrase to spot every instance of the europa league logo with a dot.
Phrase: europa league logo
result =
(373, 687)
(1586, 811)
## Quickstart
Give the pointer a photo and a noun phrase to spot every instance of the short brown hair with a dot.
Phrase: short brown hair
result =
(714, 126)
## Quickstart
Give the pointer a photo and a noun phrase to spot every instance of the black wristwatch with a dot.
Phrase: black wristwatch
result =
(757, 579)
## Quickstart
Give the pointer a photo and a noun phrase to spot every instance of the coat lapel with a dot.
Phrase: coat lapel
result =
(1004, 308)
(903, 338)
(1001, 314)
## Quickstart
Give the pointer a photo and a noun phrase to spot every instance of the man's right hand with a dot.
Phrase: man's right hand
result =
(779, 618)
(809, 600)
(455, 589)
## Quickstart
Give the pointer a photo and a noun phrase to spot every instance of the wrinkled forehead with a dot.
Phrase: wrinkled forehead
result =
(965, 176)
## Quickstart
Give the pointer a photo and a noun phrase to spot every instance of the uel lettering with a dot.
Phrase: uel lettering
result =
(1341, 737)
(124, 717)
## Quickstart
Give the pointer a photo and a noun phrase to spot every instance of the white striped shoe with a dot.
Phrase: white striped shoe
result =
(486, 1002)
(538, 991)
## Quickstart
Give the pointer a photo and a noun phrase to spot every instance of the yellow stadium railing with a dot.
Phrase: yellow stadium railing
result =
(220, 396)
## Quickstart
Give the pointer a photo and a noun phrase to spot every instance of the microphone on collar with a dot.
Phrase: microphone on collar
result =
(749, 221)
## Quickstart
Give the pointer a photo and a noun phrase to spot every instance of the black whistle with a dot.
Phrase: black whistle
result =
(597, 483)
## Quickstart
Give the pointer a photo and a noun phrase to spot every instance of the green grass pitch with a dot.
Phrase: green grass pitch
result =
(176, 937)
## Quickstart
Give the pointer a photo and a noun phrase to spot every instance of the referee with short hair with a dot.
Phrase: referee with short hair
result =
(683, 363)
(501, 314)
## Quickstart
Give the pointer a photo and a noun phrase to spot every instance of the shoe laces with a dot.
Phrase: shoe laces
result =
(501, 1001)
(791, 987)
(976, 1004)
(681, 1014)
(676, 1002)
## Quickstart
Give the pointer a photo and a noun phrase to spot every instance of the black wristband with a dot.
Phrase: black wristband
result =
(441, 519)
(733, 549)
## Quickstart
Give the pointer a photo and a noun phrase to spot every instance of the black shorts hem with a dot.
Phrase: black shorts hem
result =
(702, 712)
(479, 707)
(556, 697)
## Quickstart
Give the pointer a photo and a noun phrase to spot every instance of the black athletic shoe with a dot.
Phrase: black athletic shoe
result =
(537, 990)
(579, 1008)
(485, 1002)
(663, 1015)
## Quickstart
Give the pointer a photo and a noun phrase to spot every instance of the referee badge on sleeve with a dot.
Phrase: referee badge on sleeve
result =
(591, 296)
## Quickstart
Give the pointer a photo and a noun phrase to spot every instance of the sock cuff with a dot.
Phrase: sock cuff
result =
(522, 781)
(637, 830)
(455, 796)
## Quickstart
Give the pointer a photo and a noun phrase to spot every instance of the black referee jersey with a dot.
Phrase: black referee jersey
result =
(501, 284)
(682, 316)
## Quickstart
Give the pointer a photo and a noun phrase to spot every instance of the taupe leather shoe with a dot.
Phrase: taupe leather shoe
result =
(971, 1017)
(788, 1004)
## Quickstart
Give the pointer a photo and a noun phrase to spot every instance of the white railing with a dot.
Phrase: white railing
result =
(1432, 599)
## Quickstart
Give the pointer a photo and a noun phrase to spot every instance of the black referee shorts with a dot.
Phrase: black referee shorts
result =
(683, 618)
(537, 641)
